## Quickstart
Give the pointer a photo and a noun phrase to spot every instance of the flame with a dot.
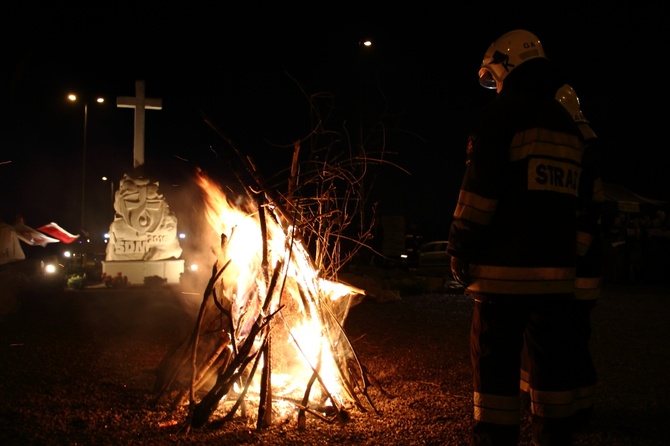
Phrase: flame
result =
(268, 313)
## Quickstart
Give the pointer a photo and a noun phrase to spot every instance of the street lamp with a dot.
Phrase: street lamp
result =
(111, 195)
(73, 98)
(365, 53)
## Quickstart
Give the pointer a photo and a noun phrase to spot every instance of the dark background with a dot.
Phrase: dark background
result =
(252, 70)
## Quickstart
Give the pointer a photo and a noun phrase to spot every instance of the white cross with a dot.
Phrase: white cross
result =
(139, 103)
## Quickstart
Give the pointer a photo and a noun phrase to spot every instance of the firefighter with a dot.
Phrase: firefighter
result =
(589, 267)
(512, 244)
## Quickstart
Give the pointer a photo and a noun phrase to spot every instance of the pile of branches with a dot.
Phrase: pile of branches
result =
(242, 332)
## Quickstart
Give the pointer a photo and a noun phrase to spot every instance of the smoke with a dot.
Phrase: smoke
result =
(197, 237)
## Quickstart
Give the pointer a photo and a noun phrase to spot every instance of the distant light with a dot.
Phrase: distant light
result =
(73, 97)
(49, 268)
(182, 235)
(106, 235)
(67, 254)
(367, 42)
(193, 267)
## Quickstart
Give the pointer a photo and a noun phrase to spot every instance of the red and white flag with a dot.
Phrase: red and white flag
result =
(32, 237)
(56, 231)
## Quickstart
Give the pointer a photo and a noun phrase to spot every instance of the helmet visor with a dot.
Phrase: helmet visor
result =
(486, 79)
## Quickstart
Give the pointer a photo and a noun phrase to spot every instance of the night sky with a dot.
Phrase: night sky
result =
(254, 72)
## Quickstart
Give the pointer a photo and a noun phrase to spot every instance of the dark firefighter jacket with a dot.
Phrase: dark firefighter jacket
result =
(516, 222)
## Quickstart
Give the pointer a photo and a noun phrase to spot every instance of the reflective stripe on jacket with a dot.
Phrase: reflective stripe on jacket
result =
(490, 279)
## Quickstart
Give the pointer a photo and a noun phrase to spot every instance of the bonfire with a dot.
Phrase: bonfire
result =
(268, 343)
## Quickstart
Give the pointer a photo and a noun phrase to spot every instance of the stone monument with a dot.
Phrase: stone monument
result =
(143, 240)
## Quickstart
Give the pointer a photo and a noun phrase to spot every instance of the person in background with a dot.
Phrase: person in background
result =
(512, 245)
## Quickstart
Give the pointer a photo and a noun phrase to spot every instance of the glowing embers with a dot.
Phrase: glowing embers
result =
(269, 331)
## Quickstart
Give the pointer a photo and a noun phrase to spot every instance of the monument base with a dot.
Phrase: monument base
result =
(137, 270)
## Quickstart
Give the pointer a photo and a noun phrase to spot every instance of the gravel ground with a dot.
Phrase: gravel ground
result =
(78, 368)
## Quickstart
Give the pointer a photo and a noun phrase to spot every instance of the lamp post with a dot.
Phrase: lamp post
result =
(111, 195)
(365, 53)
(365, 48)
(73, 98)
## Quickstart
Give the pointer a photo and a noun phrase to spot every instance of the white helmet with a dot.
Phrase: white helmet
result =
(508, 52)
(568, 98)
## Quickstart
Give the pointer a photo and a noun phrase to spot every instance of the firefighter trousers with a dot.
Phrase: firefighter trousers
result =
(500, 326)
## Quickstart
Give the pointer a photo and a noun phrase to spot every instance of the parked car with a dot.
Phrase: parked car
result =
(434, 254)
